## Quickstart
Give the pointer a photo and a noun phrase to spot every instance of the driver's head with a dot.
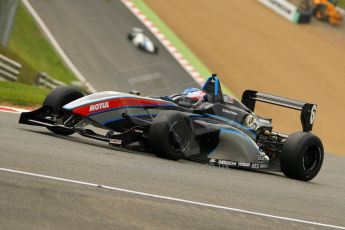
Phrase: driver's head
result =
(192, 97)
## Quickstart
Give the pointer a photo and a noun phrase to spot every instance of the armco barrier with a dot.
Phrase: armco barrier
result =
(288, 10)
(9, 69)
(43, 79)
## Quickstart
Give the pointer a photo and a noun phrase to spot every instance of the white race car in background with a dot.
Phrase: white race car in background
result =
(140, 40)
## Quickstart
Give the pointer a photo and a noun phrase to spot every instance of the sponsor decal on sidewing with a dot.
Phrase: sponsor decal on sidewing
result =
(244, 164)
(255, 166)
(99, 106)
(263, 166)
(228, 164)
(261, 158)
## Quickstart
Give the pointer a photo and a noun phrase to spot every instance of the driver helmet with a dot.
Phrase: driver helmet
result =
(192, 97)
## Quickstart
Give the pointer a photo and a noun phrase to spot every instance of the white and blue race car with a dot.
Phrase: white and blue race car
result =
(200, 124)
(143, 42)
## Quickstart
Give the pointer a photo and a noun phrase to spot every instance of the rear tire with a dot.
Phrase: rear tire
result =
(170, 135)
(155, 51)
(56, 99)
(320, 12)
(130, 37)
(302, 156)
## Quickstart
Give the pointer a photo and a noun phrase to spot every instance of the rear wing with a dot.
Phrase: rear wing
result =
(308, 110)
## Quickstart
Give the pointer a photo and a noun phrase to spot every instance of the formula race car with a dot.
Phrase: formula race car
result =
(327, 11)
(200, 124)
(140, 40)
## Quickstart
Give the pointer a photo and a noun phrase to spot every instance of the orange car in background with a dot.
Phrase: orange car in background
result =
(326, 10)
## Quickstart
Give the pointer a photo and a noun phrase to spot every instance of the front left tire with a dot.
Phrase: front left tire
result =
(56, 99)
(130, 36)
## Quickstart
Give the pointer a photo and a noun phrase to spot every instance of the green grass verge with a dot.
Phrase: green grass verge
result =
(341, 4)
(28, 42)
(21, 94)
(175, 40)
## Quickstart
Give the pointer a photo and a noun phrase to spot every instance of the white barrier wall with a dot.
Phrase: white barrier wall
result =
(283, 8)
(341, 10)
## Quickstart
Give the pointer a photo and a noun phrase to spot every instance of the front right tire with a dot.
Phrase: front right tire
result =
(170, 135)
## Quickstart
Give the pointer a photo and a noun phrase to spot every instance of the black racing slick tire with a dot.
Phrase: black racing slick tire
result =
(170, 135)
(155, 51)
(130, 37)
(302, 156)
(56, 99)
(320, 12)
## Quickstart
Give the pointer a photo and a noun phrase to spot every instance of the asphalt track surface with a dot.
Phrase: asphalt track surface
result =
(31, 202)
(93, 34)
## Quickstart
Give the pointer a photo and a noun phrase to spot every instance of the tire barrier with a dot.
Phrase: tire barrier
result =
(9, 69)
